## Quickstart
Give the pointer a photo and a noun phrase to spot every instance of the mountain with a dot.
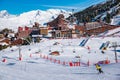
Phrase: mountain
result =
(104, 11)
(108, 11)
(5, 14)
(28, 18)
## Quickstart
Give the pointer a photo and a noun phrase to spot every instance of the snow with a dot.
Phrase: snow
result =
(28, 18)
(113, 32)
(116, 20)
(3, 43)
(5, 14)
(34, 65)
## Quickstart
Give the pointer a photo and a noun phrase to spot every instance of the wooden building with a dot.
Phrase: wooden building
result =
(43, 31)
(97, 28)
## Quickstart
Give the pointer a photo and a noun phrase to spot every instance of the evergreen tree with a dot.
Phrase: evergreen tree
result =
(108, 18)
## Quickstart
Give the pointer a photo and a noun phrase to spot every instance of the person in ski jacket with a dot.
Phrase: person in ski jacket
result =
(98, 67)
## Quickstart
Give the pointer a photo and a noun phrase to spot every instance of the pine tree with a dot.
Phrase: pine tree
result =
(108, 18)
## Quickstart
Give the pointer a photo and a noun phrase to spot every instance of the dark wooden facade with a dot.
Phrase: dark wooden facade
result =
(99, 30)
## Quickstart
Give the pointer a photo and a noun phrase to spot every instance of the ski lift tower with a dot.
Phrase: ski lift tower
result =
(115, 45)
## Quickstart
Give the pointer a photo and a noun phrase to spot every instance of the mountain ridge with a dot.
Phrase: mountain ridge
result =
(103, 11)
(28, 18)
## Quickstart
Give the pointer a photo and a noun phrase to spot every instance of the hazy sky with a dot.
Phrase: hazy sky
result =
(20, 6)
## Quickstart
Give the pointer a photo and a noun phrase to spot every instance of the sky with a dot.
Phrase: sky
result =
(20, 6)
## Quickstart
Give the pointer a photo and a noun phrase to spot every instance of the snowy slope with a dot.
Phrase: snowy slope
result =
(28, 18)
(116, 20)
(34, 65)
(37, 68)
(111, 11)
(113, 32)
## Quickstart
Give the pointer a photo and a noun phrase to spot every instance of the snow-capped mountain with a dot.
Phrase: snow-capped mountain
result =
(103, 11)
(116, 19)
(28, 18)
(112, 11)
(5, 14)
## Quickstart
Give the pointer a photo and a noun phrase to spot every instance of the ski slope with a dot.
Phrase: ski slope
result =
(34, 67)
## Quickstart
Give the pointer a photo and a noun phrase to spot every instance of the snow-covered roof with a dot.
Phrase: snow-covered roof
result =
(11, 35)
(71, 26)
(3, 43)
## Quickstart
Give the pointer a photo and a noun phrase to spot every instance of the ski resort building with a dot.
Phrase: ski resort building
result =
(95, 28)
(61, 28)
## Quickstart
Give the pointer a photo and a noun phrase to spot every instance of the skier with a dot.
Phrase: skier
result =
(98, 67)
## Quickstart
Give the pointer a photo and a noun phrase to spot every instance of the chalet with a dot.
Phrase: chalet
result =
(23, 32)
(35, 35)
(5, 40)
(44, 31)
(79, 30)
(93, 25)
(59, 23)
(17, 42)
(3, 45)
(1, 36)
(60, 28)
(35, 32)
(95, 28)
(55, 33)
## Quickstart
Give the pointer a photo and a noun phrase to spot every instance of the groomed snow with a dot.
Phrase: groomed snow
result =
(34, 67)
